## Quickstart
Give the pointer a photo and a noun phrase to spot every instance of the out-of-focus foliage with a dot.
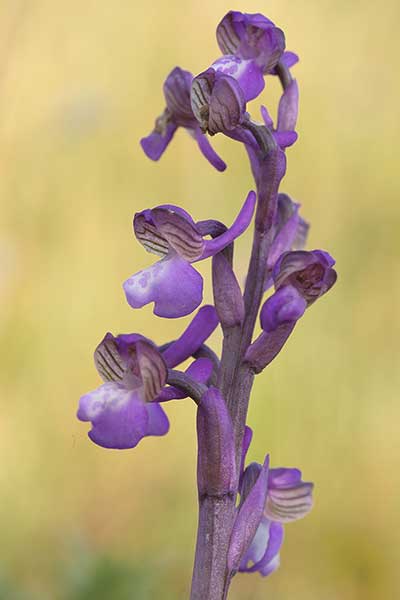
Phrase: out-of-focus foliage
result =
(80, 82)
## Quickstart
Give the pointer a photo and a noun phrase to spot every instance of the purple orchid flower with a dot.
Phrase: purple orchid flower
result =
(139, 376)
(253, 36)
(288, 499)
(269, 498)
(126, 407)
(121, 410)
(300, 278)
(174, 286)
(178, 113)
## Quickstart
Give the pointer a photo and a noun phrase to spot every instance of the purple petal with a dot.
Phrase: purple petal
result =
(288, 108)
(289, 59)
(158, 423)
(155, 144)
(109, 361)
(266, 117)
(200, 96)
(227, 105)
(270, 560)
(310, 273)
(240, 225)
(172, 284)
(283, 477)
(216, 466)
(286, 305)
(246, 72)
(248, 519)
(264, 549)
(208, 151)
(198, 331)
(152, 368)
(200, 370)
(180, 233)
(177, 96)
(289, 498)
(270, 567)
(290, 503)
(251, 36)
(285, 139)
(148, 235)
(119, 417)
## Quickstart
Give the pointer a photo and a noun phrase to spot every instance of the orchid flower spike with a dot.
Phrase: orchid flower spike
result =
(175, 287)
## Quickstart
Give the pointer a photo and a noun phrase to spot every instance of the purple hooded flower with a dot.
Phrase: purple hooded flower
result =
(219, 100)
(126, 407)
(269, 498)
(288, 499)
(251, 36)
(300, 278)
(121, 410)
(178, 113)
(174, 286)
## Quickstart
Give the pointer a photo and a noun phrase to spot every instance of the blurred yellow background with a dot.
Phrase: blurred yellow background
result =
(80, 83)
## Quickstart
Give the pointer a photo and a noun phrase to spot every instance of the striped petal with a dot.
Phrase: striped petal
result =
(153, 370)
(289, 498)
(148, 235)
(179, 233)
(108, 360)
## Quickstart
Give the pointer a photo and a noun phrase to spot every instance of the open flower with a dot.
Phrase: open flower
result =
(288, 499)
(126, 407)
(178, 113)
(253, 36)
(174, 286)
(300, 278)
(268, 499)
(121, 410)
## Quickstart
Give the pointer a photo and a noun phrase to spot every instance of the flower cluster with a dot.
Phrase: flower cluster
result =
(283, 280)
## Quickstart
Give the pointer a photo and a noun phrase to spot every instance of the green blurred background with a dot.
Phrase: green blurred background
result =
(80, 83)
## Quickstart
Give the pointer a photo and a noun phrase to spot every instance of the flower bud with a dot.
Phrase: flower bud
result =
(216, 466)
(217, 102)
(228, 296)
